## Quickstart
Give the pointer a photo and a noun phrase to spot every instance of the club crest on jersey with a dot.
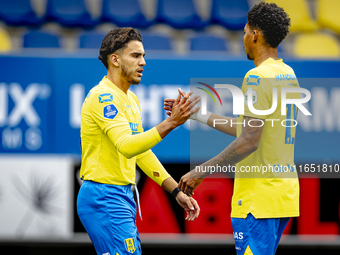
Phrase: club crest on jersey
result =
(104, 98)
(110, 112)
(253, 80)
(130, 245)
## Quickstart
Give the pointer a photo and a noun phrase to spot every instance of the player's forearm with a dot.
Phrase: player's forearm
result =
(222, 124)
(169, 184)
(151, 166)
(133, 145)
(234, 153)
(165, 127)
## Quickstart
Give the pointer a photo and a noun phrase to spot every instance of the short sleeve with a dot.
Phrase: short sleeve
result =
(107, 112)
(260, 97)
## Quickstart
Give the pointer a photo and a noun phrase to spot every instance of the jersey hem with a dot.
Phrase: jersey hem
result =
(278, 215)
(112, 183)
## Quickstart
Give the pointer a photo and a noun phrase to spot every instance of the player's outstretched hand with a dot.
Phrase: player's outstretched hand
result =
(189, 183)
(169, 102)
(181, 109)
(190, 205)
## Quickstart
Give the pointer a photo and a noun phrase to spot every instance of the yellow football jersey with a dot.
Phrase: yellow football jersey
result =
(106, 107)
(266, 183)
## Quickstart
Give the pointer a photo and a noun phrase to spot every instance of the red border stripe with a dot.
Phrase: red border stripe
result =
(212, 90)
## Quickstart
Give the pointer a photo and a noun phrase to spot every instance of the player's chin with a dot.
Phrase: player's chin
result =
(136, 81)
(249, 57)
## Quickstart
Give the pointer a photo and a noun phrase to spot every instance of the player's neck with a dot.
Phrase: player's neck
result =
(263, 54)
(121, 84)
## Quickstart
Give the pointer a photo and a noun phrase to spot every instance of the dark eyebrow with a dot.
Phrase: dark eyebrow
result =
(137, 53)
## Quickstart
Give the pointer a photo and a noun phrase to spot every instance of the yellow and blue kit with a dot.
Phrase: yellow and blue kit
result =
(113, 141)
(257, 236)
(266, 184)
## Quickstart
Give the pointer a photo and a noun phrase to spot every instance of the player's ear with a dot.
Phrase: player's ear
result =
(256, 34)
(114, 59)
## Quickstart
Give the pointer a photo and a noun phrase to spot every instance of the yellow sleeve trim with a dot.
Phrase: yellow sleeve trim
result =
(159, 138)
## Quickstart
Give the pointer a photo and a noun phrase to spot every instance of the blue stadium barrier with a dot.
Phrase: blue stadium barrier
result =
(39, 109)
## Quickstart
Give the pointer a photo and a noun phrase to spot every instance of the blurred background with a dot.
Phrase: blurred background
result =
(49, 51)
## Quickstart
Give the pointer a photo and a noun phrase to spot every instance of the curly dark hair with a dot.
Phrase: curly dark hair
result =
(115, 40)
(271, 20)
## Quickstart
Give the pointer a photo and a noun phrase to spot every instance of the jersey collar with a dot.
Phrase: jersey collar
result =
(110, 84)
(268, 60)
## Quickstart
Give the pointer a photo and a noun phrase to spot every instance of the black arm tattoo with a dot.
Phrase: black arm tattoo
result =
(239, 149)
(228, 156)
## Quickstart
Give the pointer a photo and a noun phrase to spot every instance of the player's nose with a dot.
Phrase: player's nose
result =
(142, 62)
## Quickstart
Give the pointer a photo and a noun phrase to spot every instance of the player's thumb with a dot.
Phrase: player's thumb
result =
(189, 204)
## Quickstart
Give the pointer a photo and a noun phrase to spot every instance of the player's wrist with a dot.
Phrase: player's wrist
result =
(194, 116)
(176, 192)
(171, 124)
(203, 118)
